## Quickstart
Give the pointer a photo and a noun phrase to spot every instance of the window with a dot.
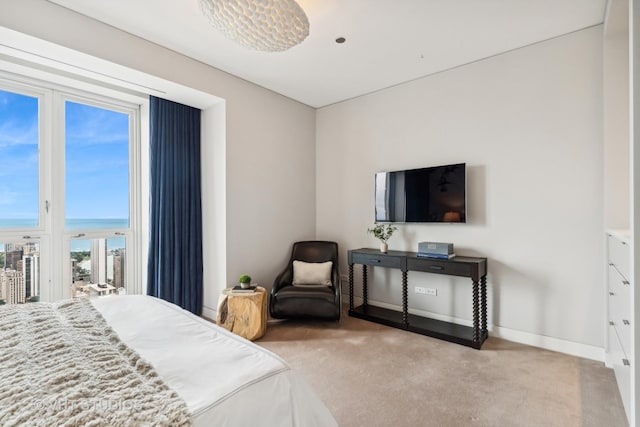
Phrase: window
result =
(19, 154)
(69, 177)
(97, 146)
(98, 266)
(96, 167)
(19, 272)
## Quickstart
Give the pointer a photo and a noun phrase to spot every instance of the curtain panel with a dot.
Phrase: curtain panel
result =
(175, 241)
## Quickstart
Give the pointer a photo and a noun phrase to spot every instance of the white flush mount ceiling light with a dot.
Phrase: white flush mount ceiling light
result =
(265, 25)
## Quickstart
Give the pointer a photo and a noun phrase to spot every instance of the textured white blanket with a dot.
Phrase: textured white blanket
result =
(61, 364)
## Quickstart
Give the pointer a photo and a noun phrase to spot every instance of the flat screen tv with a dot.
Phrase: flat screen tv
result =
(432, 194)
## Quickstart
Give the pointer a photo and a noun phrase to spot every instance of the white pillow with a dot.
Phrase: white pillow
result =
(312, 273)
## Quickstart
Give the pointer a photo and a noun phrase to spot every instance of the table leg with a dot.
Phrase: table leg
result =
(483, 304)
(350, 287)
(476, 313)
(405, 299)
(364, 285)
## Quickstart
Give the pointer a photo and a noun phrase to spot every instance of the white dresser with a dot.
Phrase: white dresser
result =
(619, 312)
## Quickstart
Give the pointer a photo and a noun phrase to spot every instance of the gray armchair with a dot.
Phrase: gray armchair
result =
(321, 301)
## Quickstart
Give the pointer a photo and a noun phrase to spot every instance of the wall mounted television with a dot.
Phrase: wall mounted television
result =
(426, 195)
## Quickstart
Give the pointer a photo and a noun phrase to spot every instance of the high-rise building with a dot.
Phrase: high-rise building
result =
(9, 247)
(30, 248)
(119, 269)
(31, 273)
(110, 257)
(13, 287)
(12, 258)
(74, 273)
(98, 260)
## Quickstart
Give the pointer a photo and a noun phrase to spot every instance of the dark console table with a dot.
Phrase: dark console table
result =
(474, 268)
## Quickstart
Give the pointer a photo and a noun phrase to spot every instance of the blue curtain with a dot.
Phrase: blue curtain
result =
(175, 246)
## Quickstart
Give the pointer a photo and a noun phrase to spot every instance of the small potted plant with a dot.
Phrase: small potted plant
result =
(245, 281)
(383, 232)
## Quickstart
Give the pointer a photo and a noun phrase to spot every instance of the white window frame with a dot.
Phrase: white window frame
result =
(54, 239)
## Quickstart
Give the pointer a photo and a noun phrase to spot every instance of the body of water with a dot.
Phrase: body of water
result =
(79, 224)
(92, 224)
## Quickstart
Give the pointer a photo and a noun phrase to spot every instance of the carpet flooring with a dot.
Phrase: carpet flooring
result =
(373, 375)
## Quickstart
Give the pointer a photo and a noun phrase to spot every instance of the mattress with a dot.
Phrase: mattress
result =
(224, 379)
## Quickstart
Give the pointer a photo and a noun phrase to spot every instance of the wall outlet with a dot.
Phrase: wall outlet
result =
(420, 290)
(431, 291)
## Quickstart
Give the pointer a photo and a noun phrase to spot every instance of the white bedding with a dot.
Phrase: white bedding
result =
(224, 379)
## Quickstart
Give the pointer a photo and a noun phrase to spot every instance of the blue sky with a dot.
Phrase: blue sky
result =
(96, 154)
(18, 156)
(97, 162)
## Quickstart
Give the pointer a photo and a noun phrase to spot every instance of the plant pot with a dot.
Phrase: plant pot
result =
(245, 285)
(384, 247)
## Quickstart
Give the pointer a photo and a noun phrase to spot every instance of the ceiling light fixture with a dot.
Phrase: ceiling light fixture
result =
(265, 25)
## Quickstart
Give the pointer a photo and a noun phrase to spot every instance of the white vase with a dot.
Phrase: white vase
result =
(245, 285)
(384, 247)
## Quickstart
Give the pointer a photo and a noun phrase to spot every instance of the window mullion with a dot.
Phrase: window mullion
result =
(138, 197)
(56, 207)
(48, 291)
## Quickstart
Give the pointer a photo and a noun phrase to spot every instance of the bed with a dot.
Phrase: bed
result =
(220, 378)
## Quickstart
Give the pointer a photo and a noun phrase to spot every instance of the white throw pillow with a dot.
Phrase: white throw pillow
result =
(312, 273)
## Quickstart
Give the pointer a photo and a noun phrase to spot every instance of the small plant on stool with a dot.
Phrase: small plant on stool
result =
(245, 281)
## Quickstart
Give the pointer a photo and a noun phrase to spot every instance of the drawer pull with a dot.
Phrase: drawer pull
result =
(611, 293)
(625, 362)
(625, 322)
(611, 264)
(436, 267)
(375, 260)
(625, 282)
(611, 323)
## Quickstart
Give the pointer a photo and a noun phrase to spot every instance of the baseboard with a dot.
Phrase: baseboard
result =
(548, 343)
(209, 313)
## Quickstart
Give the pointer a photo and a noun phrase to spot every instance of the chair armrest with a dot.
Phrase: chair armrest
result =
(335, 280)
(285, 278)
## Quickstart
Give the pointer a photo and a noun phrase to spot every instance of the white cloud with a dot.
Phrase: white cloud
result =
(13, 132)
(92, 126)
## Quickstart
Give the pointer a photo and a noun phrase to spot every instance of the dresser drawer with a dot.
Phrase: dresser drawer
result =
(621, 369)
(624, 334)
(619, 296)
(619, 254)
(433, 265)
(381, 260)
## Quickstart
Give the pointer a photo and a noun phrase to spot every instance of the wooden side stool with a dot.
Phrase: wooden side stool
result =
(243, 313)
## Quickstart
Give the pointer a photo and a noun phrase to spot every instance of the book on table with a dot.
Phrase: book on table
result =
(436, 256)
(240, 289)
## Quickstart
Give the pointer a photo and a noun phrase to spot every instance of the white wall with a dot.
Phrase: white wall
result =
(214, 204)
(616, 116)
(269, 178)
(528, 123)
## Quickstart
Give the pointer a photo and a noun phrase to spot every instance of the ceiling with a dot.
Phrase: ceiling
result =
(388, 42)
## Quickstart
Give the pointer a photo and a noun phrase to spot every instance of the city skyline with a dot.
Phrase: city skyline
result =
(20, 270)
